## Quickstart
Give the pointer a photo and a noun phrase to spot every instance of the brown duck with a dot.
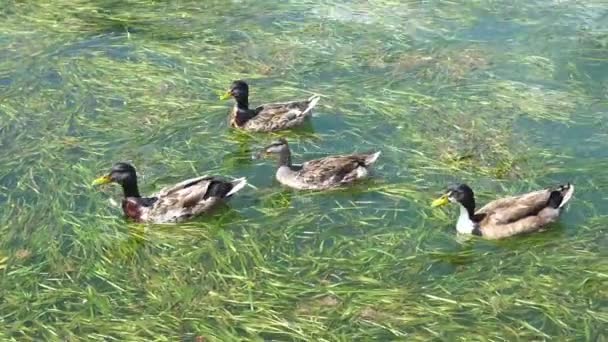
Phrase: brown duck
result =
(320, 174)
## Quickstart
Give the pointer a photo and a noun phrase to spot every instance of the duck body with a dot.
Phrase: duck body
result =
(183, 201)
(508, 216)
(321, 174)
(268, 117)
(173, 204)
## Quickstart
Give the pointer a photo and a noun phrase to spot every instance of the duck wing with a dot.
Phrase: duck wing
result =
(336, 169)
(164, 192)
(513, 208)
(524, 213)
(276, 116)
(192, 197)
(295, 107)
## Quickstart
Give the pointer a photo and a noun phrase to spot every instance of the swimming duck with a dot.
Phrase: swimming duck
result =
(176, 203)
(508, 216)
(320, 174)
(267, 117)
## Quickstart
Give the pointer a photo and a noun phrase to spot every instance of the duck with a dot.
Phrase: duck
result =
(509, 216)
(319, 174)
(267, 117)
(173, 204)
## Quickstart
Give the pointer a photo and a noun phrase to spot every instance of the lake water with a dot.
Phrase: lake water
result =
(507, 96)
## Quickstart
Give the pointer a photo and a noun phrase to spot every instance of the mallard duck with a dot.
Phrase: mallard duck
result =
(267, 117)
(508, 216)
(172, 204)
(320, 174)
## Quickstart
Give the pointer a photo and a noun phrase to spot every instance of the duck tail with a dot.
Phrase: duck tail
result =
(237, 185)
(312, 102)
(566, 191)
(560, 196)
(371, 158)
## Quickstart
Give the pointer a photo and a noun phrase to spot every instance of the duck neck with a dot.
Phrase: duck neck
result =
(466, 223)
(242, 103)
(285, 157)
(129, 188)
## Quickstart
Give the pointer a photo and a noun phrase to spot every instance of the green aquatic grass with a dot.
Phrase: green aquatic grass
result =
(506, 96)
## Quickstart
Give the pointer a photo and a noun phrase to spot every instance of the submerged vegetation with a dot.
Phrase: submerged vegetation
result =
(505, 96)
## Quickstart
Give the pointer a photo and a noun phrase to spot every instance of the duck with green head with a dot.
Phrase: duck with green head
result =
(507, 216)
(266, 117)
(176, 203)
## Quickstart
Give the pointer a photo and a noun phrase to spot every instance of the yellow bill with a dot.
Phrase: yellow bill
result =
(441, 201)
(226, 96)
(102, 180)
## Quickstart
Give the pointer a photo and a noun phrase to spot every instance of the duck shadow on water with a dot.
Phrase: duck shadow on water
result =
(466, 249)
(359, 189)
(276, 199)
(142, 235)
(552, 234)
(248, 143)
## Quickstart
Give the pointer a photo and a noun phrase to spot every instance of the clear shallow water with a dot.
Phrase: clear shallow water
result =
(506, 97)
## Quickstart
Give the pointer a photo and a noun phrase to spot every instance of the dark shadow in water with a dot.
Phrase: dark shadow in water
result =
(138, 238)
(251, 143)
(550, 233)
(471, 247)
(280, 200)
(464, 255)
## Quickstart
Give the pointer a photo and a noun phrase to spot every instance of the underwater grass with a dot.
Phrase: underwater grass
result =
(449, 91)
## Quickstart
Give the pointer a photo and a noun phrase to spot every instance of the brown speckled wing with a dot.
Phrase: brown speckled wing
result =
(180, 201)
(277, 108)
(277, 116)
(333, 167)
(184, 184)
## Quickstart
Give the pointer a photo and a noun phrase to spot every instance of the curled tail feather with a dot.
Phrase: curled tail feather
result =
(237, 185)
(567, 191)
(372, 158)
(312, 102)
(223, 189)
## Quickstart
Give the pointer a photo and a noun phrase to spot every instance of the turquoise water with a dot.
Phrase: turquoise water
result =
(506, 96)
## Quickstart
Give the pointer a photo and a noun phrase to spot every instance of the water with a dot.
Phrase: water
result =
(506, 96)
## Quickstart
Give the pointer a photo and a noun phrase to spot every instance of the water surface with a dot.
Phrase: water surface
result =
(507, 96)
